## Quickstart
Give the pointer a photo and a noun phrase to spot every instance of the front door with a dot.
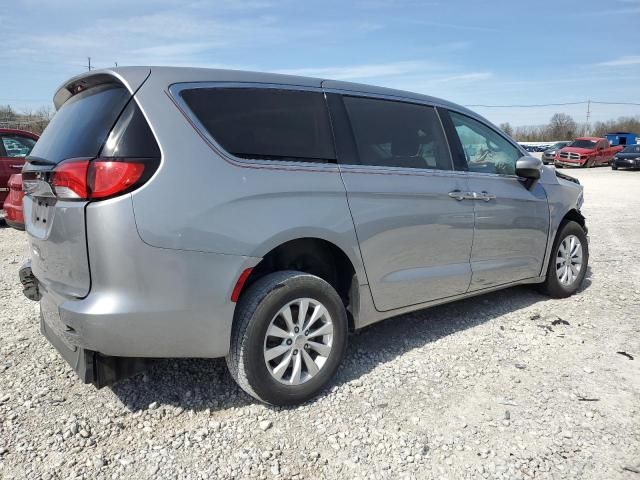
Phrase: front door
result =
(414, 229)
(511, 221)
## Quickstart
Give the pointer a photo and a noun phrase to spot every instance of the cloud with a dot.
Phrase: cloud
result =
(466, 77)
(354, 72)
(633, 7)
(175, 36)
(456, 26)
(624, 61)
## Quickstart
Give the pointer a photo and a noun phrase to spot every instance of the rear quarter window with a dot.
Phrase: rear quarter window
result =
(269, 124)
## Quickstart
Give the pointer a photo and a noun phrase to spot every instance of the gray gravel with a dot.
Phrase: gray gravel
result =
(507, 385)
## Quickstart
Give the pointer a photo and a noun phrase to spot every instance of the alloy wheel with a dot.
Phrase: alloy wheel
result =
(569, 260)
(298, 341)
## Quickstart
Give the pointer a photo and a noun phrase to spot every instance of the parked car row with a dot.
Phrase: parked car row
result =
(536, 147)
(586, 152)
(589, 151)
(549, 155)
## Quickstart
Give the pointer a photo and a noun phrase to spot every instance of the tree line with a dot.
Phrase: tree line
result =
(31, 120)
(560, 127)
(564, 127)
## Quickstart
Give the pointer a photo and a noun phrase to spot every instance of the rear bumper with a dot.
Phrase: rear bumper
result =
(173, 310)
(144, 301)
(92, 367)
(14, 213)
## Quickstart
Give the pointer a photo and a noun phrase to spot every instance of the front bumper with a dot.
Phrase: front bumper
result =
(566, 163)
(626, 163)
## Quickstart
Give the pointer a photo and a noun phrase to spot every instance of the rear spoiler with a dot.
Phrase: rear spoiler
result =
(131, 77)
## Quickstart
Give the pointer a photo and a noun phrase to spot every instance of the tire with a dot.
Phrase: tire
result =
(552, 285)
(613, 166)
(262, 306)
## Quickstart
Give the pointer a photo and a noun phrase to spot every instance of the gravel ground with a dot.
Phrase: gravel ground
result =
(507, 385)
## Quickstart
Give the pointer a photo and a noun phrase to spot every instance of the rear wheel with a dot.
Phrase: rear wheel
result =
(288, 339)
(568, 262)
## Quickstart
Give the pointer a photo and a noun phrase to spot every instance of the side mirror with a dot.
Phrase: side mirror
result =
(530, 169)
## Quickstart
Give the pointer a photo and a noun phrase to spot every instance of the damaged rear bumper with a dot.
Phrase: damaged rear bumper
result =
(92, 367)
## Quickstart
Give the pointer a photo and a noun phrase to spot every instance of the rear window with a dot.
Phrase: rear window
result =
(589, 144)
(81, 126)
(267, 124)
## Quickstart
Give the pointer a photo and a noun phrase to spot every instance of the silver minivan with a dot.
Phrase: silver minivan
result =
(179, 212)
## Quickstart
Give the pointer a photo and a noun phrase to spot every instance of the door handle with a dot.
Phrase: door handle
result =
(485, 196)
(17, 166)
(458, 195)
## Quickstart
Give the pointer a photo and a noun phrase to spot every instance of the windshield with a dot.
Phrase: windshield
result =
(632, 149)
(555, 146)
(584, 144)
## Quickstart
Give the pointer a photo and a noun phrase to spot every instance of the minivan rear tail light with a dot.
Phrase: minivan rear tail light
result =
(82, 179)
(108, 178)
(69, 179)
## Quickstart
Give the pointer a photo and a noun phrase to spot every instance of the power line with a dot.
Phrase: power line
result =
(585, 102)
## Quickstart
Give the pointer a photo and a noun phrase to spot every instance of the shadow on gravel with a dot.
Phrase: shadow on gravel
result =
(198, 384)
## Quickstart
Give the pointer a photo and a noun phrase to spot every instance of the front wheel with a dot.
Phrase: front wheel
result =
(288, 338)
(568, 262)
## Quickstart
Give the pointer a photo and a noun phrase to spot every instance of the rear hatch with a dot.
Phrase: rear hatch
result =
(54, 213)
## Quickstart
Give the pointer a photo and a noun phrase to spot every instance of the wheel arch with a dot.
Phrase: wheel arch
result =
(575, 215)
(318, 256)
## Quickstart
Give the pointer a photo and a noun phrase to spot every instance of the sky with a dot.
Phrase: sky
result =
(489, 52)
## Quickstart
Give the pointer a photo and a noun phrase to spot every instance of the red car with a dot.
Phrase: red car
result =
(14, 146)
(13, 203)
(586, 152)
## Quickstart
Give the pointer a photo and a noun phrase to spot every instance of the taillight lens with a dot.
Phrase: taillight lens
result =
(98, 179)
(109, 178)
(69, 180)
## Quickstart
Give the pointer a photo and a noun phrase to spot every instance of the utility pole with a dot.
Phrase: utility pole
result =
(89, 63)
(588, 116)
